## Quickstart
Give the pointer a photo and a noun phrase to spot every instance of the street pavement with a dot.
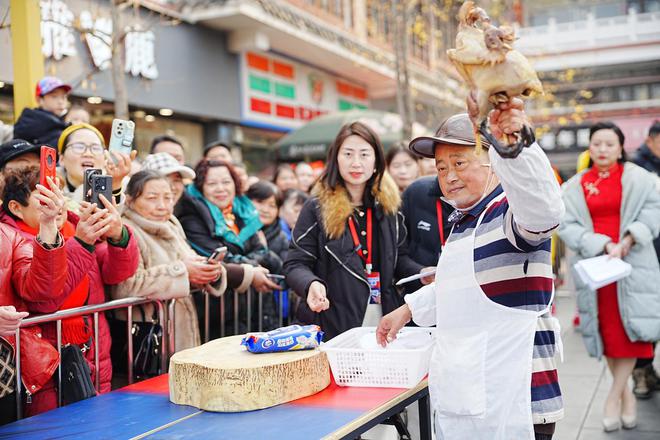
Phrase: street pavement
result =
(584, 382)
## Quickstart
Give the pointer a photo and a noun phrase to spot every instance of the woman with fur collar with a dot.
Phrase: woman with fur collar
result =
(348, 245)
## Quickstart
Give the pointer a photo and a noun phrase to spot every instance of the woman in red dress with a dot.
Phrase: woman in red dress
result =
(605, 196)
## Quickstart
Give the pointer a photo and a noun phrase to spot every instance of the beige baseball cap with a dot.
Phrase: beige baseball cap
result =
(456, 130)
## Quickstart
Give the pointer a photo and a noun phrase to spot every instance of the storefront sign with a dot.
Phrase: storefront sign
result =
(283, 93)
(99, 39)
(58, 35)
(58, 39)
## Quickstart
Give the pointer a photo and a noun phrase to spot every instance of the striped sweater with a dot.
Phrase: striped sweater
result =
(513, 267)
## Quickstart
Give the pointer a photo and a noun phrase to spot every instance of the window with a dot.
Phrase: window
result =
(655, 91)
(641, 92)
(379, 18)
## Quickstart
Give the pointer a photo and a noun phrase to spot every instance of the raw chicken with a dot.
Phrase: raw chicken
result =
(484, 57)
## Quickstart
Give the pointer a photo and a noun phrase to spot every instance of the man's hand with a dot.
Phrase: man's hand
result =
(428, 279)
(10, 319)
(50, 207)
(200, 272)
(118, 166)
(508, 118)
(391, 323)
(261, 282)
(317, 299)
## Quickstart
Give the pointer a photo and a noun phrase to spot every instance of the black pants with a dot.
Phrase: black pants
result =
(8, 409)
(544, 432)
(643, 362)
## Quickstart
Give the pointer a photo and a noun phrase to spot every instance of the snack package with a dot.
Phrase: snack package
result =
(293, 337)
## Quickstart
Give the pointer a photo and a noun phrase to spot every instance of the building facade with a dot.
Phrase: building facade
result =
(598, 60)
(244, 71)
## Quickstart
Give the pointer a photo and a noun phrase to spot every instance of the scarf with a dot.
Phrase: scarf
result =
(242, 208)
(74, 330)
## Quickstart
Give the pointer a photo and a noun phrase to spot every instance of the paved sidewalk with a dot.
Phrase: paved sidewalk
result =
(585, 382)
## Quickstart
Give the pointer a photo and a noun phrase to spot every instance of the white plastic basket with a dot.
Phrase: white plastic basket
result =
(356, 364)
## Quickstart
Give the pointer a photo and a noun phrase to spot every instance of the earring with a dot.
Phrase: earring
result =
(375, 171)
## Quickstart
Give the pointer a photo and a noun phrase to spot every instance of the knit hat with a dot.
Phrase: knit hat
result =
(73, 128)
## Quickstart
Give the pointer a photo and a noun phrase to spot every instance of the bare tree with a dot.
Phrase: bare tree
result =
(404, 100)
(117, 47)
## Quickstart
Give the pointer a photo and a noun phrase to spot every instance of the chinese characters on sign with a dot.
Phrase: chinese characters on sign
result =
(140, 54)
(99, 39)
(56, 30)
(58, 39)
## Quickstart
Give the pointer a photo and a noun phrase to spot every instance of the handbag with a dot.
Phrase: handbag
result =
(147, 359)
(76, 376)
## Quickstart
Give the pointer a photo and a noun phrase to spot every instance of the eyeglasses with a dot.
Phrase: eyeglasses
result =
(80, 147)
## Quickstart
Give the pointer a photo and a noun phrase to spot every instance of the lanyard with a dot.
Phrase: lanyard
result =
(441, 228)
(356, 241)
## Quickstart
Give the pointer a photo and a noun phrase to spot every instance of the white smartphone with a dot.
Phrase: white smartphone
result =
(121, 138)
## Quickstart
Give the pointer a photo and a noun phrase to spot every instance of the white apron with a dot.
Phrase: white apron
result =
(481, 368)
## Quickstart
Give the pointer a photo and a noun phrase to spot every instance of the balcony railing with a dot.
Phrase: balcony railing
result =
(592, 33)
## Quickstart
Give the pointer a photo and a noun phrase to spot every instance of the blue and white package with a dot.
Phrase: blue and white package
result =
(293, 337)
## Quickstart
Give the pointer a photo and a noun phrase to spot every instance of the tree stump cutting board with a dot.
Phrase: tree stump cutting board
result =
(223, 376)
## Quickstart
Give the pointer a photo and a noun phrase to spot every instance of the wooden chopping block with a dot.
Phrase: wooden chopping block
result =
(223, 376)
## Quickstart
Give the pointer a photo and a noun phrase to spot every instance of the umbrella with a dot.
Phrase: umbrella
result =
(312, 140)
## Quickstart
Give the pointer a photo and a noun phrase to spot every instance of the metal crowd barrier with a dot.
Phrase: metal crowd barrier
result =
(282, 320)
(168, 338)
(127, 303)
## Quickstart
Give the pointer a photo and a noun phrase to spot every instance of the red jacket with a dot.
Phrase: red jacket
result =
(106, 265)
(33, 283)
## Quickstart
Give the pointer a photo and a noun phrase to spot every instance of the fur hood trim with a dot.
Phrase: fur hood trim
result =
(336, 205)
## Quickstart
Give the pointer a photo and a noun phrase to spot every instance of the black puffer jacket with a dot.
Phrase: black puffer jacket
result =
(198, 224)
(39, 127)
(322, 250)
(276, 238)
(421, 214)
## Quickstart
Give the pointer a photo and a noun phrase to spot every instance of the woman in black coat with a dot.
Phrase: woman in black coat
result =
(348, 246)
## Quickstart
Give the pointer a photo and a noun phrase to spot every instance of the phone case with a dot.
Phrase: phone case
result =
(122, 135)
(101, 184)
(87, 182)
(48, 158)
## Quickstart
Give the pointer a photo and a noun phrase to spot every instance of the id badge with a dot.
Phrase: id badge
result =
(374, 286)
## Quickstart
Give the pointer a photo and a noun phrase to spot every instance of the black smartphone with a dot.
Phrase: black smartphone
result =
(87, 182)
(280, 280)
(101, 184)
(218, 254)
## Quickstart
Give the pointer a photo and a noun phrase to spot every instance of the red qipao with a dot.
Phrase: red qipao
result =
(604, 193)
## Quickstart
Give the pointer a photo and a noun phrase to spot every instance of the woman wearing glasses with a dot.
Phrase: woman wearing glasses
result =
(82, 146)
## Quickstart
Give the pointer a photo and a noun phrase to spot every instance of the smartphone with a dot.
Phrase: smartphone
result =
(48, 158)
(101, 184)
(280, 280)
(217, 255)
(87, 182)
(121, 137)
